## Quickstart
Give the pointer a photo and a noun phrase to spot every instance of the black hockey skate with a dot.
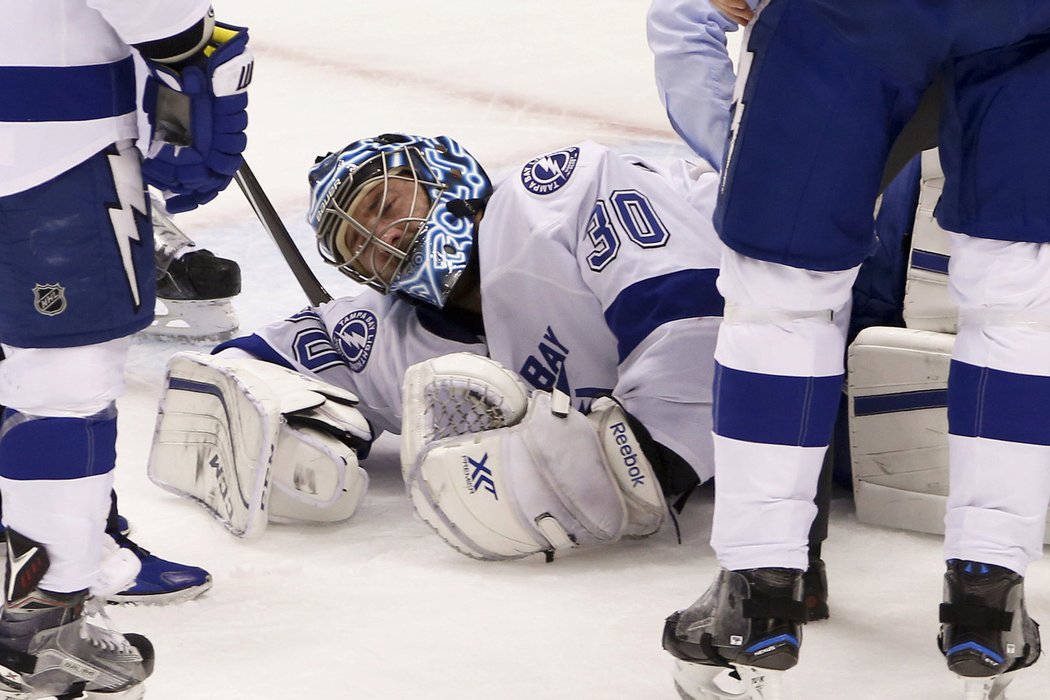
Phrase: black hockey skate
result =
(985, 628)
(815, 591)
(47, 646)
(750, 620)
(194, 286)
(199, 276)
(193, 297)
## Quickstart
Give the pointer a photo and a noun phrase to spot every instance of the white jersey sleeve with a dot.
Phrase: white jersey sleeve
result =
(362, 343)
(694, 74)
(598, 276)
(138, 21)
(68, 79)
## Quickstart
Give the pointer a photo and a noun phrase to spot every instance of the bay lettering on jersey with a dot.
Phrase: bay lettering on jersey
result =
(545, 369)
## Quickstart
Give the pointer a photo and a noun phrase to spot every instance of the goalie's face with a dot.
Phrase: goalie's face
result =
(383, 218)
(378, 227)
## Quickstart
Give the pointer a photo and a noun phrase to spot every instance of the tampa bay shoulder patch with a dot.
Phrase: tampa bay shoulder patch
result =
(550, 172)
(354, 336)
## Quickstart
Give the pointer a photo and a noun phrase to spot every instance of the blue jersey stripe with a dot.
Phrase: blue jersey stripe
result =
(998, 405)
(900, 401)
(645, 306)
(775, 409)
(255, 346)
(36, 448)
(67, 93)
(931, 262)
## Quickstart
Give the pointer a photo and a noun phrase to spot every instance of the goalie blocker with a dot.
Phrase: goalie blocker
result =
(502, 474)
(253, 442)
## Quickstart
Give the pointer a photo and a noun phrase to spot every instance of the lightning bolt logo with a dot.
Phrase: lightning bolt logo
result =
(127, 180)
(356, 339)
(551, 166)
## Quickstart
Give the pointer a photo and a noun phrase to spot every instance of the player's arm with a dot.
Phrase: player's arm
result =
(362, 343)
(694, 74)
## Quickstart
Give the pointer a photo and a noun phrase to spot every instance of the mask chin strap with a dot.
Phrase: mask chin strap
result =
(466, 207)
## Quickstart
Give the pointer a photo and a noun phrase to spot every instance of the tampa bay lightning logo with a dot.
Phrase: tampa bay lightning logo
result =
(549, 173)
(354, 336)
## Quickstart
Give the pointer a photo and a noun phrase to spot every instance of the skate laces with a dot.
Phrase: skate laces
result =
(99, 630)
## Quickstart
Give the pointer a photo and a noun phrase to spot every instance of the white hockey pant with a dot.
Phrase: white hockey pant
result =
(67, 515)
(999, 402)
(780, 362)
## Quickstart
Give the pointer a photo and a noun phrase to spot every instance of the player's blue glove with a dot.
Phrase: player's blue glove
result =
(198, 111)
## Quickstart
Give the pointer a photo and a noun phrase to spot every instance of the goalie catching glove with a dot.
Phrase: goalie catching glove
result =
(254, 442)
(500, 474)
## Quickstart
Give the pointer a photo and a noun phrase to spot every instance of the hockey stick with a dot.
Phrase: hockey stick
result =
(253, 192)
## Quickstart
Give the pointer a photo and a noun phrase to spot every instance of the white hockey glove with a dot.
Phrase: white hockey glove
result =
(251, 442)
(502, 475)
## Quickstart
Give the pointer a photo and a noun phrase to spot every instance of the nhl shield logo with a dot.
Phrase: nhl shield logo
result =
(49, 299)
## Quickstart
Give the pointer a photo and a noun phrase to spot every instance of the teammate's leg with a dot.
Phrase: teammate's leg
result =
(999, 453)
(813, 125)
(997, 189)
(75, 282)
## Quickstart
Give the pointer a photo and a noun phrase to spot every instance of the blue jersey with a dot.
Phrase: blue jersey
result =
(829, 87)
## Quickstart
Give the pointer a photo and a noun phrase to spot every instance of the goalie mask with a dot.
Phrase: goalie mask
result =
(397, 212)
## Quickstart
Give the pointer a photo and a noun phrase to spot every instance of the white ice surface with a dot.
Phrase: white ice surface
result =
(379, 608)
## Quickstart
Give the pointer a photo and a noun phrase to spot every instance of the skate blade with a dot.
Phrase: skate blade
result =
(135, 692)
(986, 688)
(211, 319)
(699, 682)
(168, 598)
(762, 683)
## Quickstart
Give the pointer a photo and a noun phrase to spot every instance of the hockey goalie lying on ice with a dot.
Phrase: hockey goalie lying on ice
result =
(557, 331)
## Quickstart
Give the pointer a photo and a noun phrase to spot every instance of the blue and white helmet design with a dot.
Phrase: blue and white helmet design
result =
(433, 238)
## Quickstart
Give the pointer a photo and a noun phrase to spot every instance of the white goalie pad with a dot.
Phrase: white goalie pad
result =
(502, 475)
(898, 420)
(251, 442)
(927, 304)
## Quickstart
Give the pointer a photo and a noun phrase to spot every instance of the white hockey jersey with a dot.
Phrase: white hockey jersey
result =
(68, 80)
(362, 342)
(597, 277)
